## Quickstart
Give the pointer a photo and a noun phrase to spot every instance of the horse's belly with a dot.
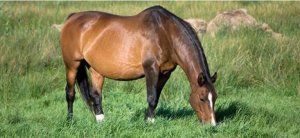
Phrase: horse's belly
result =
(115, 67)
(120, 72)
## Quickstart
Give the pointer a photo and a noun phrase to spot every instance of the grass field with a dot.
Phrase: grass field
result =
(258, 76)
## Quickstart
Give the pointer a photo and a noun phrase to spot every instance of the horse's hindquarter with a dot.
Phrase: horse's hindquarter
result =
(113, 50)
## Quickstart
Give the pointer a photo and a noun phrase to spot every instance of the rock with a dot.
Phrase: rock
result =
(199, 25)
(267, 28)
(57, 26)
(234, 19)
(230, 19)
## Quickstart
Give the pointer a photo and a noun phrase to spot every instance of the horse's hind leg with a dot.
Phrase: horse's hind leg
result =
(71, 72)
(96, 93)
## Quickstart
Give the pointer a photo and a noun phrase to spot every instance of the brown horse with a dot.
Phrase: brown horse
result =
(150, 44)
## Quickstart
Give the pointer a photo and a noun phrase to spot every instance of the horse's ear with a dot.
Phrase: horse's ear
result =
(201, 79)
(213, 78)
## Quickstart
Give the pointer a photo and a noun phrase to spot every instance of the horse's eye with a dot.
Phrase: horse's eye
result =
(201, 99)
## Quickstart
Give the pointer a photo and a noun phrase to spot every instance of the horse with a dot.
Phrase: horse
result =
(150, 44)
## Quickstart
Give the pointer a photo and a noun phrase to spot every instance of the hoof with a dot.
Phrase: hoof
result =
(150, 120)
(70, 116)
(100, 118)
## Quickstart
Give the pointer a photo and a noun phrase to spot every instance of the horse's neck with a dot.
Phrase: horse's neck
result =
(189, 61)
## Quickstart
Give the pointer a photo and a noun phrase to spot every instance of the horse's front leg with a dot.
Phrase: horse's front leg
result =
(155, 82)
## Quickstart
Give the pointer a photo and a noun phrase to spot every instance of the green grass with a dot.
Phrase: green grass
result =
(258, 77)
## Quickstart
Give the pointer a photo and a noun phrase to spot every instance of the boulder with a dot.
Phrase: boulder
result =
(199, 25)
(234, 19)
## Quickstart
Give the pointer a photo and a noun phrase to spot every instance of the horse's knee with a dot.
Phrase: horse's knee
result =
(70, 94)
(152, 101)
(96, 97)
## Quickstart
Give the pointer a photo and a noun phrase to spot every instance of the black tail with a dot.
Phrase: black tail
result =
(71, 15)
(83, 84)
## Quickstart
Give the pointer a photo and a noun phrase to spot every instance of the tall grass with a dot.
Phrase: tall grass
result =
(258, 76)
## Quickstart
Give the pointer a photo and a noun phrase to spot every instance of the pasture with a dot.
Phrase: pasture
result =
(258, 81)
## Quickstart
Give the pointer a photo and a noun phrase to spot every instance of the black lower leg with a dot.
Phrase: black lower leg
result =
(152, 103)
(97, 102)
(70, 97)
(153, 96)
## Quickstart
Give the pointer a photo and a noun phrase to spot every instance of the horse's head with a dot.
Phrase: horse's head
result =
(203, 99)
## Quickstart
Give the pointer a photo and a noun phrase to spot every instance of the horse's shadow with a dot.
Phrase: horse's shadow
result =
(224, 111)
(170, 113)
(164, 112)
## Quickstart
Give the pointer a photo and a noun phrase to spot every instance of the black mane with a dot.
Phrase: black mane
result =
(190, 34)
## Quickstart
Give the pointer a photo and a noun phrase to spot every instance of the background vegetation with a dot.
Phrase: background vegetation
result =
(258, 77)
